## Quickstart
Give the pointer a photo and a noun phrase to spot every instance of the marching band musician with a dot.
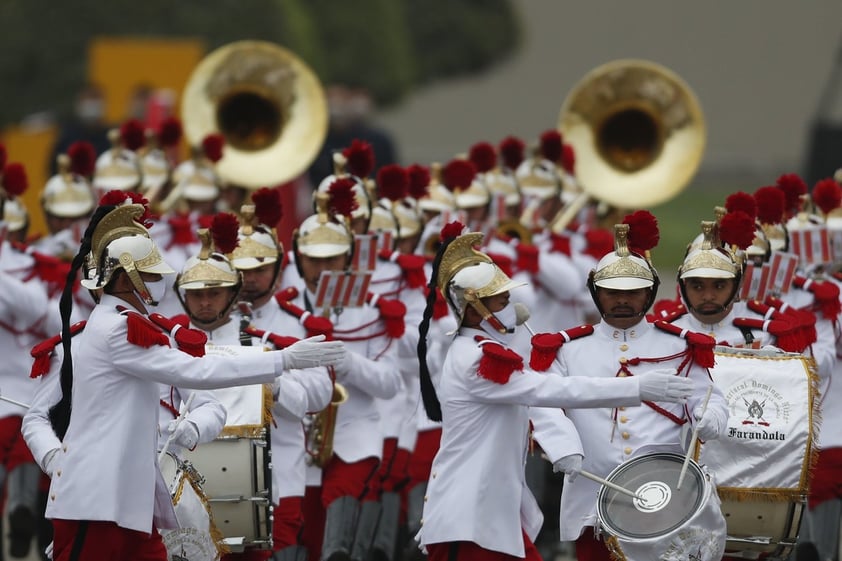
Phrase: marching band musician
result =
(107, 497)
(478, 504)
(118, 168)
(343, 486)
(624, 344)
(258, 257)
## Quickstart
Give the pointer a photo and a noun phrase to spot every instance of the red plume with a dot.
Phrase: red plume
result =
(737, 228)
(212, 146)
(568, 158)
(458, 174)
(511, 152)
(551, 145)
(743, 202)
(138, 199)
(600, 242)
(267, 206)
(14, 179)
(113, 198)
(793, 187)
(224, 228)
(392, 182)
(4, 156)
(342, 199)
(827, 194)
(359, 158)
(643, 231)
(483, 156)
(132, 134)
(170, 132)
(419, 181)
(451, 231)
(771, 203)
(82, 158)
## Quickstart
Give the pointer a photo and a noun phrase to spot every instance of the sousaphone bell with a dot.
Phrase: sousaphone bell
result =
(269, 106)
(638, 132)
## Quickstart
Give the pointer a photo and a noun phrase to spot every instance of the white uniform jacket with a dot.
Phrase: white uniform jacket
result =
(477, 490)
(107, 469)
(612, 436)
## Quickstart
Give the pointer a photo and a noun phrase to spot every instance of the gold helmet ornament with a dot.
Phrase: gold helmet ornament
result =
(120, 240)
(68, 193)
(538, 176)
(460, 177)
(438, 197)
(212, 268)
(628, 266)
(118, 168)
(326, 234)
(771, 206)
(154, 161)
(13, 184)
(392, 189)
(360, 153)
(466, 276)
(258, 238)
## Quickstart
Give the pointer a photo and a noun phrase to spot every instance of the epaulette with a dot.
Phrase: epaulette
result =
(667, 310)
(825, 295)
(412, 266)
(786, 333)
(392, 312)
(146, 331)
(545, 346)
(315, 325)
(44, 351)
(278, 341)
(560, 244)
(498, 363)
(528, 257)
(190, 341)
(699, 345)
(182, 230)
(48, 268)
(804, 320)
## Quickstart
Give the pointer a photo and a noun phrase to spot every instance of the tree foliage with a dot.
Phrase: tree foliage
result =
(389, 46)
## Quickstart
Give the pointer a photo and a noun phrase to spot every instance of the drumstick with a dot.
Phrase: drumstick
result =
(610, 485)
(21, 404)
(178, 421)
(693, 439)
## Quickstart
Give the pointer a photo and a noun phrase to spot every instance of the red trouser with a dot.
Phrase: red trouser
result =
(288, 520)
(588, 548)
(392, 474)
(339, 479)
(421, 460)
(468, 551)
(13, 448)
(105, 541)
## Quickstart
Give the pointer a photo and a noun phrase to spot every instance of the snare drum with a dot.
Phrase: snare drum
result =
(194, 539)
(669, 524)
(237, 481)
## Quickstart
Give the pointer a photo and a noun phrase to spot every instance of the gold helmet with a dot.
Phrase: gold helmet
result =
(438, 198)
(466, 276)
(121, 241)
(258, 239)
(68, 194)
(323, 234)
(118, 168)
(15, 215)
(710, 259)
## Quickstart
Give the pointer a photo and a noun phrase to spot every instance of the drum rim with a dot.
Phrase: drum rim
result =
(608, 525)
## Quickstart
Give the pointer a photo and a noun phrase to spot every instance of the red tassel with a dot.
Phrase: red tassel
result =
(527, 258)
(498, 363)
(545, 347)
(827, 299)
(392, 313)
(182, 230)
(278, 341)
(43, 354)
(701, 347)
(561, 244)
(144, 333)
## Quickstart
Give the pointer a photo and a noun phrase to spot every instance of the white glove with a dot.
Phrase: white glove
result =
(185, 434)
(313, 352)
(664, 385)
(571, 466)
(706, 424)
(49, 461)
(344, 366)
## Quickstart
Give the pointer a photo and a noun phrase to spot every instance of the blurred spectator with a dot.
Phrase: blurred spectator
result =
(88, 123)
(350, 111)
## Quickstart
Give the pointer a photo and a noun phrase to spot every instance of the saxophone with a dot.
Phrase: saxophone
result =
(321, 426)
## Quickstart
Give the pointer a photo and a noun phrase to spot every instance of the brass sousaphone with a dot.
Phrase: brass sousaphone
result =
(269, 106)
(638, 132)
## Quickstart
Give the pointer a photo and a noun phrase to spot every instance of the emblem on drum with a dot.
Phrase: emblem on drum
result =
(761, 409)
(694, 544)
